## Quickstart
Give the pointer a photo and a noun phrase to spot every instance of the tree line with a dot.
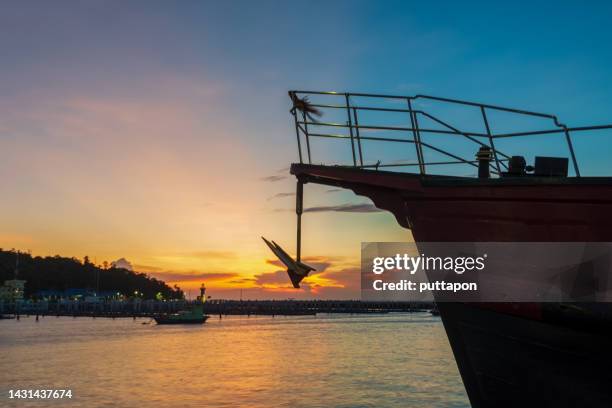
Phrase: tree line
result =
(61, 273)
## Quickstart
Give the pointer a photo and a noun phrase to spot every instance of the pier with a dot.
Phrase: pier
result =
(150, 308)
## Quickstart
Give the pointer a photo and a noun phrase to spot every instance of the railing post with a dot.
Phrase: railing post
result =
(350, 126)
(299, 205)
(358, 137)
(297, 133)
(416, 138)
(418, 132)
(486, 122)
(306, 134)
(571, 149)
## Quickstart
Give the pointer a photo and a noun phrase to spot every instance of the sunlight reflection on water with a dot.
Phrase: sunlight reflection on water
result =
(324, 361)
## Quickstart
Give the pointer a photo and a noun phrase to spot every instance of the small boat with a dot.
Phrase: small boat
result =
(194, 315)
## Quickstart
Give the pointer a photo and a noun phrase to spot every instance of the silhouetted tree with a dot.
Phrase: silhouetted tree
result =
(61, 273)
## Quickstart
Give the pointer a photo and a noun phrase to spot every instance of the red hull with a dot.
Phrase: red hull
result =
(439, 209)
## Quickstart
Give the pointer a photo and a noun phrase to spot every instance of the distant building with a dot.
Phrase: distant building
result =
(12, 290)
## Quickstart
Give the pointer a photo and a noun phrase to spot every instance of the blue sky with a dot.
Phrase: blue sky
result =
(180, 111)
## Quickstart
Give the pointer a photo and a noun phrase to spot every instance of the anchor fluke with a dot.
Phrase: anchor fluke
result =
(296, 269)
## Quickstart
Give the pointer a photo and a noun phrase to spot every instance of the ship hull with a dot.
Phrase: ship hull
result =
(510, 360)
(509, 355)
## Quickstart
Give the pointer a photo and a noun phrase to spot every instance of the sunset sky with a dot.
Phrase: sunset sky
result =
(159, 132)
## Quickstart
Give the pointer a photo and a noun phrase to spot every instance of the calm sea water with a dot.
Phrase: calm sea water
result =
(324, 361)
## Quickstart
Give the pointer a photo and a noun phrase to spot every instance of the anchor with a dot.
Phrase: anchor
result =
(295, 268)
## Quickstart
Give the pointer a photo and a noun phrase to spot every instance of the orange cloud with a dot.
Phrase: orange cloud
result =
(195, 277)
(334, 275)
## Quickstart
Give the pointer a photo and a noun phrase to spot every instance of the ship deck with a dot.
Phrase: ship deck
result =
(344, 175)
(462, 209)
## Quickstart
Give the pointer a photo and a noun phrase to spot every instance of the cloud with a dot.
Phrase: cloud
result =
(170, 276)
(319, 263)
(241, 281)
(331, 272)
(354, 208)
(273, 178)
(349, 208)
(147, 268)
(333, 190)
(347, 277)
(343, 283)
(336, 284)
(122, 263)
(280, 195)
(277, 278)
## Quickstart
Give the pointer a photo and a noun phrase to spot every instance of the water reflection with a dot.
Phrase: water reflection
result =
(330, 360)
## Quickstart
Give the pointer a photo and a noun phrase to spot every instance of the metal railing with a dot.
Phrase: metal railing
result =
(304, 122)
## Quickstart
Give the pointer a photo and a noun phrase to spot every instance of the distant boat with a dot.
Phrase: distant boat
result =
(194, 315)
